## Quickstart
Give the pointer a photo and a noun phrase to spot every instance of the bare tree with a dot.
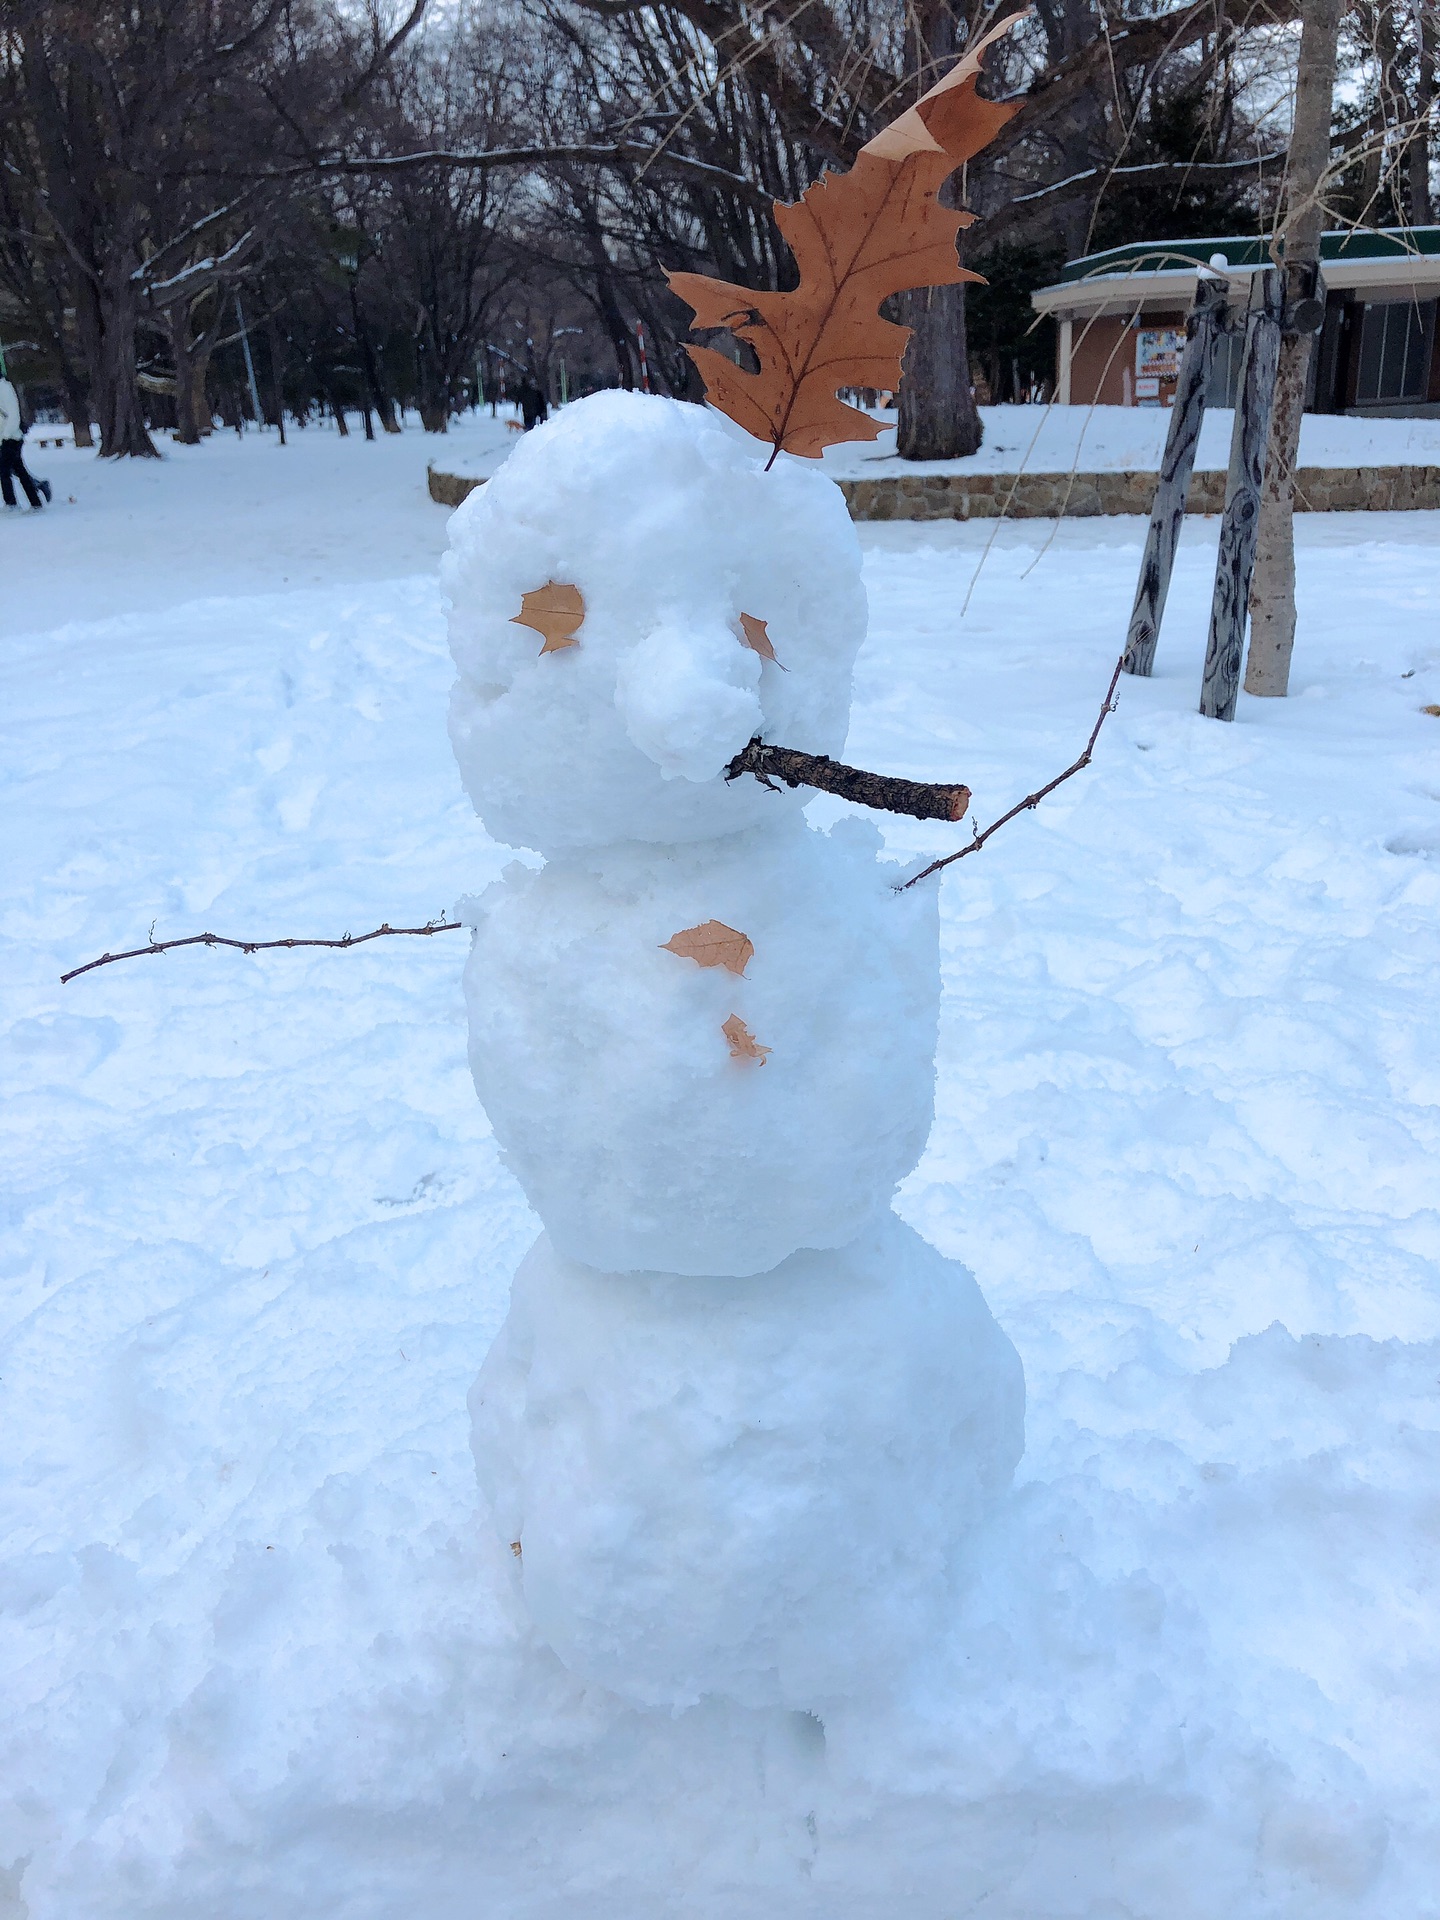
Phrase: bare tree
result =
(1272, 591)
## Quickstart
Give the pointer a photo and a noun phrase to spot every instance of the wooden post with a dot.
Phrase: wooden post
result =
(1240, 522)
(1167, 515)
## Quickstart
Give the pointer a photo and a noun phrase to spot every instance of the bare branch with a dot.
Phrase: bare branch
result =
(191, 234)
(382, 54)
(610, 153)
(1180, 168)
(1031, 800)
(257, 946)
(203, 273)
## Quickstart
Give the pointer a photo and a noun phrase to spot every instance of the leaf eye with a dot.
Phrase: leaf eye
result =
(556, 611)
(753, 635)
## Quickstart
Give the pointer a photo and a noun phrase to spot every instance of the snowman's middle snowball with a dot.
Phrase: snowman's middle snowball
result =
(642, 1135)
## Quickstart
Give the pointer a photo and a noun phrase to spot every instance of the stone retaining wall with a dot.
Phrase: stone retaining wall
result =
(450, 488)
(1046, 496)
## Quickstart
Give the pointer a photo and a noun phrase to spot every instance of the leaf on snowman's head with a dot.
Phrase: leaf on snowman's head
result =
(857, 237)
(554, 610)
(753, 634)
(743, 1044)
(712, 944)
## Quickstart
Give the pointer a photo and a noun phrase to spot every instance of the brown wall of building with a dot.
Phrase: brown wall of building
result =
(1102, 350)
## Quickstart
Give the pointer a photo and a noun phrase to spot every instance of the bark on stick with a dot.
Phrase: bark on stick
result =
(882, 791)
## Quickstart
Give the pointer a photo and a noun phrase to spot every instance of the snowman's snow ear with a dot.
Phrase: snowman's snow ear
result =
(555, 610)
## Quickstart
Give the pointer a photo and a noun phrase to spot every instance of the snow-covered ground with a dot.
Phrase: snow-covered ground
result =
(257, 1240)
(145, 534)
(1131, 439)
(1056, 440)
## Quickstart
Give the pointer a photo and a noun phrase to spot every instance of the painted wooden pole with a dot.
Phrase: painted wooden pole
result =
(1240, 522)
(1167, 515)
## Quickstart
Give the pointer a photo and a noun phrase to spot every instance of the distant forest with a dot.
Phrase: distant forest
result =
(320, 207)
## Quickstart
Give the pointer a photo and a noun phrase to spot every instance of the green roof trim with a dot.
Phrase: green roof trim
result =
(1161, 256)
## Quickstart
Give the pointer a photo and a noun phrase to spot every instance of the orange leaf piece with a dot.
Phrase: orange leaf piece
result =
(743, 1044)
(553, 610)
(857, 237)
(753, 634)
(713, 944)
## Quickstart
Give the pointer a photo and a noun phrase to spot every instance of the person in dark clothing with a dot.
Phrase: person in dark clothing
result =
(12, 441)
(532, 403)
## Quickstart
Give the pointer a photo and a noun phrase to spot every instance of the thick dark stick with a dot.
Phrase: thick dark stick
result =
(255, 946)
(1167, 515)
(1107, 705)
(879, 790)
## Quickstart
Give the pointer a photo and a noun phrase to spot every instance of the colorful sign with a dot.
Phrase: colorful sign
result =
(1157, 364)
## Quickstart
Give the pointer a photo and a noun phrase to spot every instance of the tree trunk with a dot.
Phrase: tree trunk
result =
(276, 376)
(376, 396)
(77, 401)
(112, 377)
(187, 427)
(1272, 589)
(938, 416)
(1421, 212)
(200, 390)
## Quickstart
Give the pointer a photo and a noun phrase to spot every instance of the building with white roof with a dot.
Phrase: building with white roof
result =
(1121, 318)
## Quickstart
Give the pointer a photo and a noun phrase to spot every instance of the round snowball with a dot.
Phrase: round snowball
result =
(754, 1488)
(663, 519)
(663, 1113)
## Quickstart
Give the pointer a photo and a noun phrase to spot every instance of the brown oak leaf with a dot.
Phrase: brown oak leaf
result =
(743, 1044)
(857, 237)
(554, 610)
(754, 634)
(712, 944)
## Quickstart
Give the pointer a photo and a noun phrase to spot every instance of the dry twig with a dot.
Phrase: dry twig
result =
(1031, 800)
(442, 925)
(919, 799)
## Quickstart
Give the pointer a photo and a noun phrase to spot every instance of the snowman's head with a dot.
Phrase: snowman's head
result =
(633, 598)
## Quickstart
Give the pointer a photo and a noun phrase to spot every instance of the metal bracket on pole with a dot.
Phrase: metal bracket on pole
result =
(1203, 327)
(1239, 525)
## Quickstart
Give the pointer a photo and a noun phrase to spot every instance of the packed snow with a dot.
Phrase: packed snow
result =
(670, 534)
(754, 1491)
(259, 1240)
(601, 1055)
(712, 1493)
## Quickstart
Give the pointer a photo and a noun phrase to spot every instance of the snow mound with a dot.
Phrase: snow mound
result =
(666, 521)
(602, 1060)
(753, 1489)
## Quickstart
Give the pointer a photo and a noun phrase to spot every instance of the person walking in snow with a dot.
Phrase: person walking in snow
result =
(532, 402)
(12, 440)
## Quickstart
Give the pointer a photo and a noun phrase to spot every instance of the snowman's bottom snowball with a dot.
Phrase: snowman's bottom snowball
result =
(753, 1488)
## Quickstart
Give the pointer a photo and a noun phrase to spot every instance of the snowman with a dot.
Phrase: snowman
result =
(741, 1422)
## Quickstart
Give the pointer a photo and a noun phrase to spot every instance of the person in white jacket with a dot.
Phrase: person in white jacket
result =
(12, 441)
